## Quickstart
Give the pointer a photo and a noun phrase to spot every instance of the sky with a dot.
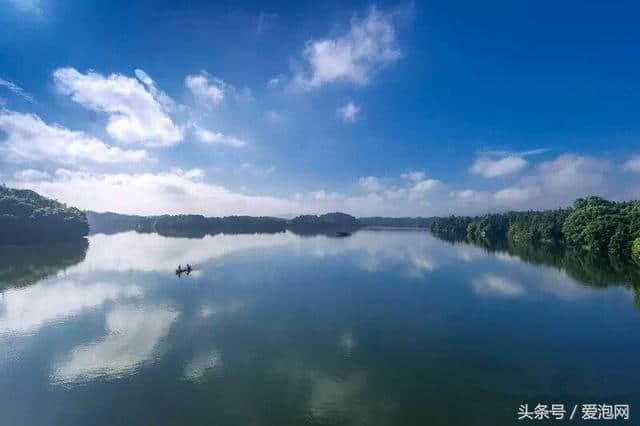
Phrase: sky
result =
(283, 108)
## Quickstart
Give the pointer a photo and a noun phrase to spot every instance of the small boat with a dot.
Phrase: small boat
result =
(180, 270)
(342, 234)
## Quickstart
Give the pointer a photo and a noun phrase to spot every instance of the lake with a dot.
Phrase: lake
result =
(390, 327)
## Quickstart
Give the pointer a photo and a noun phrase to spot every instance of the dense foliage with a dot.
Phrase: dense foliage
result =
(452, 228)
(199, 226)
(27, 217)
(593, 225)
(326, 223)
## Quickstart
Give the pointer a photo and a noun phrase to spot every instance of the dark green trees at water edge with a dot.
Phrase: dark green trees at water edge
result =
(26, 217)
(593, 225)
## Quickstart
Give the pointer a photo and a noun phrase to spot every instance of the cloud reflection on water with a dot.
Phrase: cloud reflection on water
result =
(24, 310)
(133, 336)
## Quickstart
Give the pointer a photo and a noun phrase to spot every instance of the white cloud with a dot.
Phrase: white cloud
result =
(19, 91)
(354, 57)
(31, 174)
(133, 335)
(425, 185)
(632, 164)
(371, 184)
(570, 172)
(205, 88)
(490, 168)
(558, 182)
(209, 137)
(348, 112)
(421, 188)
(414, 175)
(143, 77)
(137, 114)
(517, 195)
(29, 139)
(321, 194)
(171, 192)
(551, 184)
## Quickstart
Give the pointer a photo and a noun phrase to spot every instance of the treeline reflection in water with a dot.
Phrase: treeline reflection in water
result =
(586, 269)
(22, 265)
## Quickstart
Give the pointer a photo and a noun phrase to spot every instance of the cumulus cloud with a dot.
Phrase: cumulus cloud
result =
(348, 112)
(414, 175)
(371, 184)
(143, 77)
(551, 184)
(517, 195)
(29, 139)
(17, 90)
(31, 174)
(491, 168)
(206, 88)
(172, 192)
(370, 44)
(558, 182)
(421, 188)
(138, 112)
(632, 164)
(209, 137)
(570, 171)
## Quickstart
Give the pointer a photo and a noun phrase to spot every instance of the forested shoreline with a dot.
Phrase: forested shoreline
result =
(27, 217)
(197, 226)
(594, 226)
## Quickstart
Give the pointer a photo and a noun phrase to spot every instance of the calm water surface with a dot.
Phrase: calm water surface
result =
(380, 328)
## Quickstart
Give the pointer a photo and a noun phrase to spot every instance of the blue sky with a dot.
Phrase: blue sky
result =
(389, 108)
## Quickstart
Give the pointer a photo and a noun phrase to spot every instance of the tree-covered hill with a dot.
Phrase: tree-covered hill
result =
(27, 217)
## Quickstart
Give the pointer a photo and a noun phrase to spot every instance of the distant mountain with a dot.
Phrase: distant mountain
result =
(27, 217)
(112, 223)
